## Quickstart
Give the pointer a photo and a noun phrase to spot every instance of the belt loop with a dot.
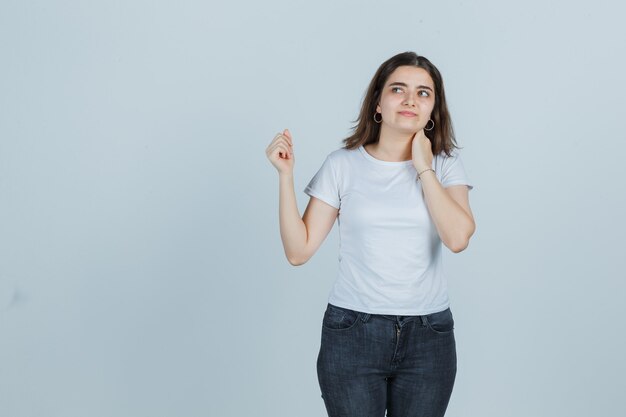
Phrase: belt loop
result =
(365, 317)
(423, 320)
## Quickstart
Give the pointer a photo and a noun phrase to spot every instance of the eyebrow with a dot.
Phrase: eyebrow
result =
(404, 85)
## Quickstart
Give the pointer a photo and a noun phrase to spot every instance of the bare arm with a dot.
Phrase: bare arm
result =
(292, 229)
(301, 237)
(449, 208)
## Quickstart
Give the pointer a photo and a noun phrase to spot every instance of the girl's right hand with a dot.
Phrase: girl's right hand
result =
(280, 152)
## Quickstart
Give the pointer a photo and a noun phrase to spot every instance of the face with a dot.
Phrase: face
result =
(407, 99)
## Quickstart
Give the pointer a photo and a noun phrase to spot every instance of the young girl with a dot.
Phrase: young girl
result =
(398, 190)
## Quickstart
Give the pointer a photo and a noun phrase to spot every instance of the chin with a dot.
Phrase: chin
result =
(406, 128)
(408, 131)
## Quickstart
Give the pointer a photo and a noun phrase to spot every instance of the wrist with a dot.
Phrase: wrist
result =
(422, 172)
(421, 167)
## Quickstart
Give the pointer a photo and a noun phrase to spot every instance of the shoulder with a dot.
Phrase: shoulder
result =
(342, 153)
(451, 170)
(454, 153)
(444, 160)
(341, 156)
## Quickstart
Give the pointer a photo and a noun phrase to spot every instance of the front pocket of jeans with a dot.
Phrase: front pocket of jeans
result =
(441, 322)
(339, 318)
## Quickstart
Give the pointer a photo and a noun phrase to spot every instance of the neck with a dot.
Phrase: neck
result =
(393, 146)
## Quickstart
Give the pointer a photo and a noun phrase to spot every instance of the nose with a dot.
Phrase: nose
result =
(409, 99)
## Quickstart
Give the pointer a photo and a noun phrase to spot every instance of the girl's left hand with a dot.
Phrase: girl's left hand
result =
(422, 153)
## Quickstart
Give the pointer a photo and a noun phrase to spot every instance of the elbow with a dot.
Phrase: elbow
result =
(298, 257)
(459, 246)
(461, 242)
(296, 261)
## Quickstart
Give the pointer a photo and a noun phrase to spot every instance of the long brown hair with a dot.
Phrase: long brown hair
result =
(367, 131)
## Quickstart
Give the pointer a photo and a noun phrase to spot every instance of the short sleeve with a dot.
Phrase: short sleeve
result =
(324, 184)
(453, 171)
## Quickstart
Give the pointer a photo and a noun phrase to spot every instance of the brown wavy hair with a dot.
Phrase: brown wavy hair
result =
(367, 131)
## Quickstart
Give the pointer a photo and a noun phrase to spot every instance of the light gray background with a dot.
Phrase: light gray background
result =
(141, 267)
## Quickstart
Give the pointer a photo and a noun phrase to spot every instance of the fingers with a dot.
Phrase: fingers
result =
(284, 153)
(280, 148)
(287, 133)
(420, 134)
(281, 138)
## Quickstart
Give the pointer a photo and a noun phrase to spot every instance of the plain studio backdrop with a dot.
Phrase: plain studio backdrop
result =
(141, 267)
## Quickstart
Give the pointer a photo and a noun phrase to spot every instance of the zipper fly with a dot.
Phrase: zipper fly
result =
(396, 354)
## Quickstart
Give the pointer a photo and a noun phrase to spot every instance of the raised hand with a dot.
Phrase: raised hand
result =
(421, 151)
(280, 152)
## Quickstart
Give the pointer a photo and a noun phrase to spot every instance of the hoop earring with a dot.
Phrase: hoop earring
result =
(381, 118)
(433, 126)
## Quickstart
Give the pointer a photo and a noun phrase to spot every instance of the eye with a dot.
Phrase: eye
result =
(425, 93)
(396, 88)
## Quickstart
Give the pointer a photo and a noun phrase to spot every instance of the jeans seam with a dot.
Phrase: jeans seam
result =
(356, 320)
(430, 327)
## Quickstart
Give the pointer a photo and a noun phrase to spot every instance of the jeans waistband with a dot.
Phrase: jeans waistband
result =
(397, 319)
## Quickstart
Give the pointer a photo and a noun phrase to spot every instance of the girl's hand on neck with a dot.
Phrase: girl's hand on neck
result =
(421, 151)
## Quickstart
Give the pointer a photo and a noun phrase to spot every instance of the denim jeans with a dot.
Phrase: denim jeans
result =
(369, 363)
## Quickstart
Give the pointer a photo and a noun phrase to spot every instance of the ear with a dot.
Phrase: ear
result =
(378, 109)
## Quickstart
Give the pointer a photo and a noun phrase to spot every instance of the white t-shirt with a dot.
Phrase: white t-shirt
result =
(389, 251)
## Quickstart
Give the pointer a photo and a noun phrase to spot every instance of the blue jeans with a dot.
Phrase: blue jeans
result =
(369, 363)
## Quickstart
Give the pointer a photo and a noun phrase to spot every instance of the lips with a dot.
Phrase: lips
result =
(408, 113)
